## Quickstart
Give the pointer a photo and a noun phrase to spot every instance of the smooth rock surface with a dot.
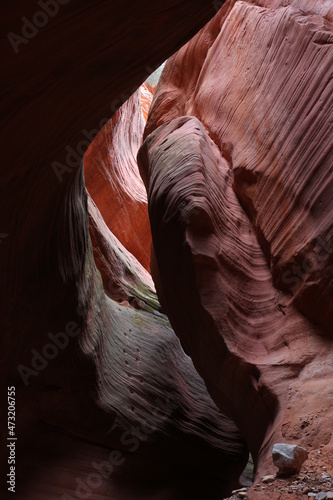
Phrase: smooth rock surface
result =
(268, 479)
(321, 496)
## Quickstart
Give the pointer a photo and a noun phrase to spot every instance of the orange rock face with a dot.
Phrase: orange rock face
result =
(237, 163)
(147, 93)
(112, 175)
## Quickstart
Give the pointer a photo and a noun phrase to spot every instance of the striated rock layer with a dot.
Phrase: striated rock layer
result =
(237, 164)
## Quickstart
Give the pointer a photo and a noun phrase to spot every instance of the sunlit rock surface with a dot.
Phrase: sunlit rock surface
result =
(238, 168)
(112, 176)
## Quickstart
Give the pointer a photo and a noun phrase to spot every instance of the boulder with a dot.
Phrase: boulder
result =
(289, 458)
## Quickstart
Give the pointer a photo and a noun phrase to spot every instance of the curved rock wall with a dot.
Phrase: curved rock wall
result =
(237, 163)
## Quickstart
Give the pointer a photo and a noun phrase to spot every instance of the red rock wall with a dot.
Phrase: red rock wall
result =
(238, 167)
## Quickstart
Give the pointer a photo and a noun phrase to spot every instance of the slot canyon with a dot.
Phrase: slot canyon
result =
(166, 241)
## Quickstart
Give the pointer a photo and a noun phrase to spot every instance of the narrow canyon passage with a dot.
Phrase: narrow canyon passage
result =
(166, 247)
